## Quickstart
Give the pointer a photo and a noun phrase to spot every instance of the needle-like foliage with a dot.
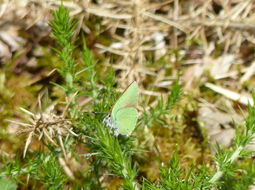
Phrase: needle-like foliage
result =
(226, 158)
(62, 29)
(162, 109)
(172, 178)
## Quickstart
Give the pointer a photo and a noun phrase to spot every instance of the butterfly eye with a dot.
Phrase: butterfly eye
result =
(107, 120)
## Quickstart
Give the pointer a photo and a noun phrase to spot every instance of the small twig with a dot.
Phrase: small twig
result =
(233, 157)
(230, 94)
(167, 21)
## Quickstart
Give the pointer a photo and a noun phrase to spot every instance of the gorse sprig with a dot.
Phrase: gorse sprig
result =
(225, 159)
(89, 64)
(172, 178)
(174, 95)
(119, 161)
(242, 180)
(62, 29)
(42, 168)
(162, 108)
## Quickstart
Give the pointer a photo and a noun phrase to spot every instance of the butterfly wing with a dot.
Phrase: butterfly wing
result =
(126, 119)
(129, 98)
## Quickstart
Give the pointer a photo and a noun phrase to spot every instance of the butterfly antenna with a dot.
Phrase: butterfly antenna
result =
(94, 112)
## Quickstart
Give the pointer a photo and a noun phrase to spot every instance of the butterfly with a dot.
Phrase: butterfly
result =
(124, 115)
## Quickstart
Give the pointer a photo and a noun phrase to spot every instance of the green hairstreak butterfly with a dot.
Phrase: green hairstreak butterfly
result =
(124, 115)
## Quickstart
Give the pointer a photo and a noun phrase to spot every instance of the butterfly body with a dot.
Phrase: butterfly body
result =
(124, 115)
(109, 121)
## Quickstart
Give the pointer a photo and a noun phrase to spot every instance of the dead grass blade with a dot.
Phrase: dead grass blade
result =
(230, 94)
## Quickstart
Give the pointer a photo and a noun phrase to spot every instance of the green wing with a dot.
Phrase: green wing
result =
(128, 99)
(126, 119)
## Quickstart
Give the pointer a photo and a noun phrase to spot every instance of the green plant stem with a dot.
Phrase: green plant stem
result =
(216, 176)
(231, 159)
